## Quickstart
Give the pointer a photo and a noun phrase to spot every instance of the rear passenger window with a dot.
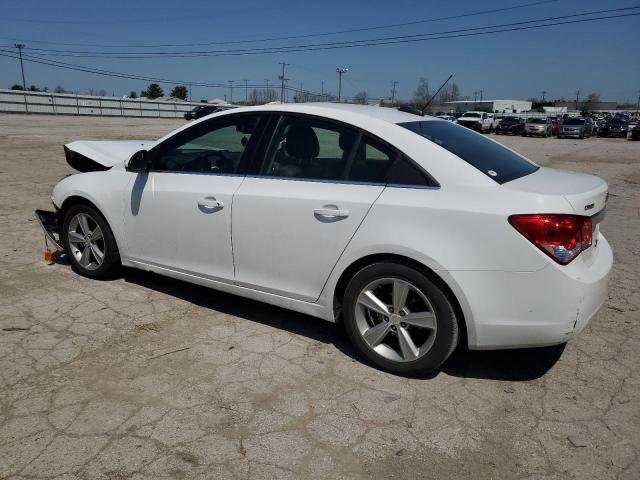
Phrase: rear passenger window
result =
(307, 148)
(371, 162)
(316, 149)
(404, 173)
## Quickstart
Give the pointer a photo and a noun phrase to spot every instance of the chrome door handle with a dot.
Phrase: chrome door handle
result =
(210, 203)
(330, 211)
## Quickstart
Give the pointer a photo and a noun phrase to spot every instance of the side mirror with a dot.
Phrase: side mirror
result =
(139, 162)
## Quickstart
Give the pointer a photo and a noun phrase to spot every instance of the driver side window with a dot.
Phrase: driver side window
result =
(207, 148)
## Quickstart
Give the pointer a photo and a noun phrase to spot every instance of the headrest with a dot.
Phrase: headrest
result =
(302, 142)
(347, 138)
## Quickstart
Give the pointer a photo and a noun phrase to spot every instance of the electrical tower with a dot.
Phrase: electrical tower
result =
(20, 46)
(340, 72)
(282, 79)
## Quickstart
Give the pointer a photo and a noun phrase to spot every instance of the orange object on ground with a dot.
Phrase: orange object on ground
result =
(48, 256)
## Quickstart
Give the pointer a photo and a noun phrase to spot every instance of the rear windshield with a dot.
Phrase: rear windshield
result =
(473, 115)
(573, 121)
(510, 120)
(491, 158)
(537, 120)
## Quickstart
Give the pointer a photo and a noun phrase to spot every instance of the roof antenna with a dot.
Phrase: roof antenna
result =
(436, 94)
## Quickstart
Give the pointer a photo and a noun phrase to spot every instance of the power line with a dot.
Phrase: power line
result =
(309, 35)
(109, 73)
(68, 66)
(346, 44)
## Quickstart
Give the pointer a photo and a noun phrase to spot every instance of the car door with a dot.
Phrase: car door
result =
(296, 214)
(178, 215)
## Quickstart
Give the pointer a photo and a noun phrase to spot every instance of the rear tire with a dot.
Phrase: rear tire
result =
(399, 318)
(89, 243)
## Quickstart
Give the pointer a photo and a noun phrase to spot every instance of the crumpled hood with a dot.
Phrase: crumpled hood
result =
(92, 155)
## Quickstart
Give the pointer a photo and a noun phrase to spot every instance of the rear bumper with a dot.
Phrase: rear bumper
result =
(532, 309)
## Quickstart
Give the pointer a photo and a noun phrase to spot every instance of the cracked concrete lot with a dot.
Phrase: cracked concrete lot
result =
(150, 378)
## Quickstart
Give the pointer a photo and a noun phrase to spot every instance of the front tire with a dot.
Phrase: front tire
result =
(399, 318)
(89, 242)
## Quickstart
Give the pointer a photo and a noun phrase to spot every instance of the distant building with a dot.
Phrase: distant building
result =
(498, 106)
(605, 106)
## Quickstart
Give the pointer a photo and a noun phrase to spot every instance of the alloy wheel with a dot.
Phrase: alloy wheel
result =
(395, 319)
(86, 241)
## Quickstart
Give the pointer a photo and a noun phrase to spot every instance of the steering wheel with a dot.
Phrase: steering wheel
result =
(204, 163)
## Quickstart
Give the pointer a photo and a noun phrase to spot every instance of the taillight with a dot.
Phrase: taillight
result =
(560, 236)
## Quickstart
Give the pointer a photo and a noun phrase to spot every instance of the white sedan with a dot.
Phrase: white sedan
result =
(413, 232)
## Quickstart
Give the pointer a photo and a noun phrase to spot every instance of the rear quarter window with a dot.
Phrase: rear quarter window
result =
(492, 159)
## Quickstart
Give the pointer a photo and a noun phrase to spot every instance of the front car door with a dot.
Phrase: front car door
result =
(295, 215)
(178, 215)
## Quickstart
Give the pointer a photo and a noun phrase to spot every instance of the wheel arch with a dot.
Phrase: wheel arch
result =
(76, 199)
(355, 266)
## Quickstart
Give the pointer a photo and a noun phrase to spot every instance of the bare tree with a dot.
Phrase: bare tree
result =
(361, 98)
(590, 103)
(102, 92)
(421, 95)
(59, 89)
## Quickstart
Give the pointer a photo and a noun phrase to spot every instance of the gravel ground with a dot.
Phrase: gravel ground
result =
(150, 378)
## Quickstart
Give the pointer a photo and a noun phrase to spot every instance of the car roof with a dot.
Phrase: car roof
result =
(335, 110)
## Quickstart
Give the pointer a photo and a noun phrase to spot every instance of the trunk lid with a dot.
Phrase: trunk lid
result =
(587, 194)
(91, 155)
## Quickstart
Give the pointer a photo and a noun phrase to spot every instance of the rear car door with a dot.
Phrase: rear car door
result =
(178, 215)
(294, 216)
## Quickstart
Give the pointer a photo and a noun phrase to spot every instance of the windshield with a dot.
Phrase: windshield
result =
(510, 120)
(617, 121)
(491, 158)
(573, 121)
(537, 120)
(473, 115)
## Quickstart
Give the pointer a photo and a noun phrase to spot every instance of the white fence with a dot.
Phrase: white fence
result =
(19, 101)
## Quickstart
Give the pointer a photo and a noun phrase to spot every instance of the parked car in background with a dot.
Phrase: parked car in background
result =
(616, 127)
(478, 121)
(448, 118)
(204, 110)
(413, 232)
(537, 126)
(635, 133)
(555, 125)
(510, 125)
(578, 127)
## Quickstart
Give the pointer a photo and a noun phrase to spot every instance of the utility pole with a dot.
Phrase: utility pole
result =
(340, 71)
(638, 104)
(475, 98)
(544, 92)
(20, 46)
(267, 80)
(231, 91)
(282, 79)
(246, 90)
(577, 98)
(394, 84)
(190, 92)
(322, 89)
(481, 93)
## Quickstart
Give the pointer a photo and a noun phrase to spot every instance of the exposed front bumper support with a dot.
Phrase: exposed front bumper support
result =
(51, 227)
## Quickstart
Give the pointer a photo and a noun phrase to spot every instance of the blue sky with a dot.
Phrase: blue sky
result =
(599, 56)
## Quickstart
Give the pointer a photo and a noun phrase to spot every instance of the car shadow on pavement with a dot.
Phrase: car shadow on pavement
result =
(507, 365)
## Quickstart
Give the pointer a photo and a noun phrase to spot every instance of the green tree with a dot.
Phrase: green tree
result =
(133, 94)
(16, 87)
(180, 91)
(153, 91)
